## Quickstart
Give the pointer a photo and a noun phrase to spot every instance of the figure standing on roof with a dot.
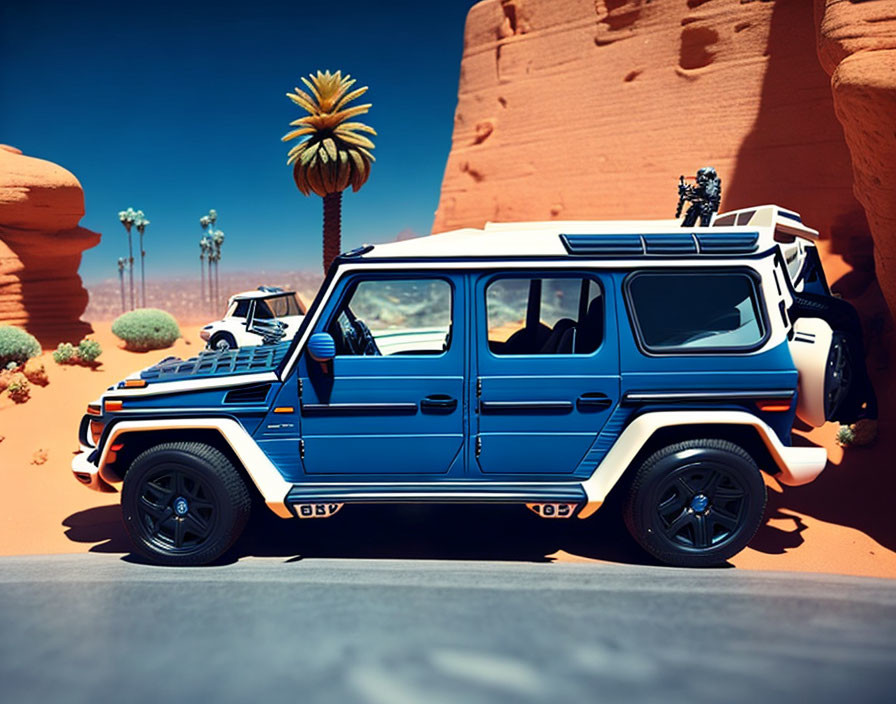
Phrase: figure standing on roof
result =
(703, 197)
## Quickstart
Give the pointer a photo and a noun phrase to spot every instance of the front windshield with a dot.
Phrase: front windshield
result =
(277, 307)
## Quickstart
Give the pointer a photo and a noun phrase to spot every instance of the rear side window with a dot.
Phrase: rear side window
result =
(535, 315)
(695, 311)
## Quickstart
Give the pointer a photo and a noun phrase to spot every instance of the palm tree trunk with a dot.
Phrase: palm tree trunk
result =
(131, 267)
(121, 282)
(217, 282)
(142, 274)
(202, 279)
(211, 285)
(332, 228)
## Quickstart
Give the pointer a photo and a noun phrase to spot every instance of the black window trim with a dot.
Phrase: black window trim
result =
(492, 276)
(756, 283)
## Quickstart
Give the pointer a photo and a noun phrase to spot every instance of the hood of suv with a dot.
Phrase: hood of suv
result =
(218, 363)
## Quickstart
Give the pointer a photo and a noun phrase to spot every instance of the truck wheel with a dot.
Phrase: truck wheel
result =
(184, 503)
(696, 503)
(222, 341)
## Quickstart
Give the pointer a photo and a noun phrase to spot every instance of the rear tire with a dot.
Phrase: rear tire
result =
(696, 503)
(184, 503)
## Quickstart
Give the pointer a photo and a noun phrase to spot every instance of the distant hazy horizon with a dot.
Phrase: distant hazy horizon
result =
(176, 108)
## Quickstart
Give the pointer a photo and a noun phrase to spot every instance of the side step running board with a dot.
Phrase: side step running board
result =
(446, 492)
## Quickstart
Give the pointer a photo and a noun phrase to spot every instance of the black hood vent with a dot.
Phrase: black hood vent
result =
(248, 394)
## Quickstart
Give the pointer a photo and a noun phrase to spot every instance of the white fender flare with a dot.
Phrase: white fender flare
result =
(797, 465)
(270, 483)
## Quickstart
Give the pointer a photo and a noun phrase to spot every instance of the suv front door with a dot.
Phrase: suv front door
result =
(391, 400)
(547, 370)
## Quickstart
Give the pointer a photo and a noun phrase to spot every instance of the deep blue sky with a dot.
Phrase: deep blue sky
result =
(176, 108)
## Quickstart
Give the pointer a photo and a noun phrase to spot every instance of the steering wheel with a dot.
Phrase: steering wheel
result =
(350, 342)
(365, 339)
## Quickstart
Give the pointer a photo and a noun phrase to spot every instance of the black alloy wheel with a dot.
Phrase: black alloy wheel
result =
(838, 377)
(176, 509)
(184, 504)
(696, 503)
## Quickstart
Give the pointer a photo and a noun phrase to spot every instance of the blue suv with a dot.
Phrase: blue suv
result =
(540, 364)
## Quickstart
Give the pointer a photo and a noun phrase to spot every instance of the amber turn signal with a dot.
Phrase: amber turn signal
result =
(773, 406)
(134, 383)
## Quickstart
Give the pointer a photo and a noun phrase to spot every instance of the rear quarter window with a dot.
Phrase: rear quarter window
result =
(695, 311)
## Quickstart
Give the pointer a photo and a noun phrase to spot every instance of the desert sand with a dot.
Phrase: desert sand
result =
(841, 524)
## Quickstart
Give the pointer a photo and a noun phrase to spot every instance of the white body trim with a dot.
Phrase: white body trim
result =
(810, 348)
(797, 465)
(270, 483)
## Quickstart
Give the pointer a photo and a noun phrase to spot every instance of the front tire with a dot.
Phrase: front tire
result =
(222, 341)
(184, 503)
(696, 503)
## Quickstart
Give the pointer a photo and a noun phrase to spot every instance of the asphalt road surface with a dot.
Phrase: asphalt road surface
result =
(97, 628)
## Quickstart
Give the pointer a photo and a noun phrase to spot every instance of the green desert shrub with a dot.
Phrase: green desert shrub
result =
(19, 389)
(146, 329)
(16, 346)
(88, 351)
(64, 353)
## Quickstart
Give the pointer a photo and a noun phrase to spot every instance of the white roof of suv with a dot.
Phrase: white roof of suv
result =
(548, 238)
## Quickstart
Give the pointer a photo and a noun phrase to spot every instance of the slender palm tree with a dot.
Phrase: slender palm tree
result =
(331, 154)
(217, 242)
(127, 218)
(213, 238)
(202, 269)
(122, 262)
(140, 222)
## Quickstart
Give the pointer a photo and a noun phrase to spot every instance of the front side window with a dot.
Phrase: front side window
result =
(550, 315)
(394, 316)
(239, 309)
(695, 311)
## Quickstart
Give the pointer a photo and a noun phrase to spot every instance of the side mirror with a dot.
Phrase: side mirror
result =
(321, 347)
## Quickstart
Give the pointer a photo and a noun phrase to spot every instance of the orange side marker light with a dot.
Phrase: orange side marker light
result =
(773, 406)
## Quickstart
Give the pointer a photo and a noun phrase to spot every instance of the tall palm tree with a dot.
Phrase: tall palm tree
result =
(217, 241)
(331, 153)
(122, 262)
(127, 218)
(213, 239)
(202, 249)
(140, 222)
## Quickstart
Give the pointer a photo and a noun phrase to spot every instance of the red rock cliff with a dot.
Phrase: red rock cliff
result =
(592, 108)
(40, 248)
(857, 47)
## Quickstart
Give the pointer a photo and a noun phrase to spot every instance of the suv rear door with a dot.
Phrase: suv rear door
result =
(546, 374)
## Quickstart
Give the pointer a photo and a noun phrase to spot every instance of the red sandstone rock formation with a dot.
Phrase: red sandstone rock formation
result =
(592, 108)
(40, 248)
(857, 47)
